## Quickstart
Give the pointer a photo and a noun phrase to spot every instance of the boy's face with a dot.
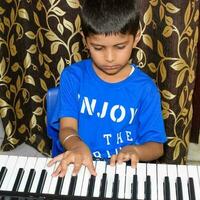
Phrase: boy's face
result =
(111, 53)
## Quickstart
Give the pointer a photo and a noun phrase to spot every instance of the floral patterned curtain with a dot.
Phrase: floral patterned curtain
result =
(39, 38)
(168, 54)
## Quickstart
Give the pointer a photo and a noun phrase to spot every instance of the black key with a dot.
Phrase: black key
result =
(2, 174)
(29, 181)
(72, 185)
(166, 188)
(191, 190)
(134, 188)
(179, 189)
(18, 179)
(41, 181)
(116, 186)
(147, 187)
(91, 186)
(59, 185)
(103, 185)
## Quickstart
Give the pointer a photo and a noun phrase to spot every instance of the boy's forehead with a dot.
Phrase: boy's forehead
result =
(109, 38)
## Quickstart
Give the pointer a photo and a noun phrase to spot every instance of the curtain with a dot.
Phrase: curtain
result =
(168, 53)
(39, 38)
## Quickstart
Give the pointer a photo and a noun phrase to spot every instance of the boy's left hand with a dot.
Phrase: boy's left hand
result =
(127, 153)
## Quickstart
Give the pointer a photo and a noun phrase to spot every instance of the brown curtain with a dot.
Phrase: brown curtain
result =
(168, 54)
(39, 38)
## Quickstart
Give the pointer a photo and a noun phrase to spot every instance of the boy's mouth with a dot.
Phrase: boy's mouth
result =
(111, 67)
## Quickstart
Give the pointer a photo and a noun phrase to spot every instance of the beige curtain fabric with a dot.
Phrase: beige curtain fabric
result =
(39, 38)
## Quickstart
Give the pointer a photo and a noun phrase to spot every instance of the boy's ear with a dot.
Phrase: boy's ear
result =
(137, 38)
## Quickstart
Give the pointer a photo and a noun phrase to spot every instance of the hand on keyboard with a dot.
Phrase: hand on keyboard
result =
(127, 153)
(78, 155)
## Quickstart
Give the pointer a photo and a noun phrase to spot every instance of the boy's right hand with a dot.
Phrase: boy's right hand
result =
(78, 155)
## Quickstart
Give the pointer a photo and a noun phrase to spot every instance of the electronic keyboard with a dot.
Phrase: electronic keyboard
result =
(30, 178)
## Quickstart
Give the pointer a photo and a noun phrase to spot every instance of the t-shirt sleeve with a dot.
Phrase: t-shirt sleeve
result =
(68, 96)
(67, 100)
(151, 124)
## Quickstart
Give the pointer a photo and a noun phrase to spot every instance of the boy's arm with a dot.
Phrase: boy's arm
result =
(77, 152)
(145, 152)
(68, 126)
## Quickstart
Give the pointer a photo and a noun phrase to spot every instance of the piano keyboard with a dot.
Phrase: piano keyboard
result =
(30, 178)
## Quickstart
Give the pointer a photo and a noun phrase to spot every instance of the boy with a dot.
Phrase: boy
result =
(108, 109)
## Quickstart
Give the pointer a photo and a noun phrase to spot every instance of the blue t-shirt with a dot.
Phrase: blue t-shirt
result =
(110, 115)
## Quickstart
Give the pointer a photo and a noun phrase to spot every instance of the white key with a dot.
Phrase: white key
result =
(162, 172)
(141, 173)
(86, 179)
(129, 180)
(152, 172)
(10, 165)
(198, 167)
(49, 176)
(110, 171)
(193, 173)
(67, 180)
(30, 164)
(3, 160)
(183, 174)
(39, 166)
(172, 174)
(20, 163)
(54, 180)
(100, 169)
(121, 170)
(79, 181)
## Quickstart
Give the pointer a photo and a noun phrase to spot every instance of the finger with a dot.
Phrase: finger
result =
(76, 169)
(122, 157)
(134, 161)
(69, 158)
(55, 159)
(113, 160)
(57, 171)
(64, 165)
(91, 168)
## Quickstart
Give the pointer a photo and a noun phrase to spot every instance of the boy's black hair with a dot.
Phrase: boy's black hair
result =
(109, 17)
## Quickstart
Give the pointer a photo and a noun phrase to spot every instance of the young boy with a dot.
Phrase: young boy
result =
(108, 108)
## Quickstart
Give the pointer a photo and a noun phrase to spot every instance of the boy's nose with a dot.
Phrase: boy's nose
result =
(109, 55)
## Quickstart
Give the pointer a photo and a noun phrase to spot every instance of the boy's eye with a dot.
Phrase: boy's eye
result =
(98, 48)
(120, 46)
